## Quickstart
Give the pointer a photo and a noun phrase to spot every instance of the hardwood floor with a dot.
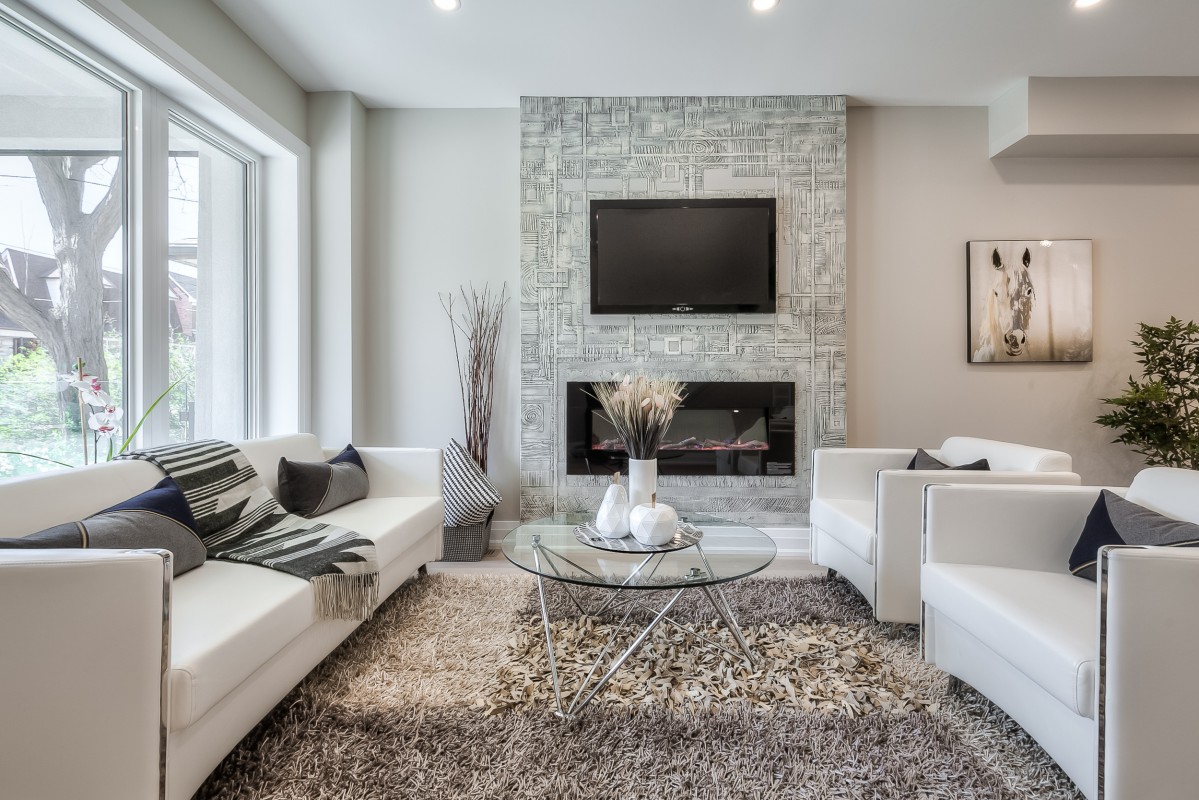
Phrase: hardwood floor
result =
(494, 561)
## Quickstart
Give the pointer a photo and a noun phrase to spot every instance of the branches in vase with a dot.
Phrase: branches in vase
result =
(478, 325)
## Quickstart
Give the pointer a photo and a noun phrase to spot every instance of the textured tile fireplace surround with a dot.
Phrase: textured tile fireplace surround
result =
(574, 150)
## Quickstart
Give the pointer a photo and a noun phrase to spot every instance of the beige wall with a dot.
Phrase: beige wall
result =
(441, 212)
(920, 186)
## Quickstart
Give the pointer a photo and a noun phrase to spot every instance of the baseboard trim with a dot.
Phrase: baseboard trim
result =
(792, 542)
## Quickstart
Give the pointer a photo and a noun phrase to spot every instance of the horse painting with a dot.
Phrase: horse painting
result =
(1003, 330)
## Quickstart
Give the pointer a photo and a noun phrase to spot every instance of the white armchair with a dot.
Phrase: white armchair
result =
(1099, 674)
(866, 510)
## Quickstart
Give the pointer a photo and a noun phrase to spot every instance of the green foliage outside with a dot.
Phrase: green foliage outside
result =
(1158, 415)
(37, 419)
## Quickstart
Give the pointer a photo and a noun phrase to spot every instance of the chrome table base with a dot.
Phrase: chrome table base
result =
(583, 696)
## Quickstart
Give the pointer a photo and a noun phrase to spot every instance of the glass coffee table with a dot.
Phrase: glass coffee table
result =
(549, 549)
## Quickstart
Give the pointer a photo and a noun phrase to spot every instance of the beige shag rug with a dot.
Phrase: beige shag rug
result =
(445, 694)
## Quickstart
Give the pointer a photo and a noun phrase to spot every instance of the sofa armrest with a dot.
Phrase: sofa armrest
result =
(1149, 645)
(848, 472)
(1024, 527)
(898, 515)
(401, 471)
(84, 647)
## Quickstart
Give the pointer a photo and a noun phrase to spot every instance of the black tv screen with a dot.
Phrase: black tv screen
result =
(682, 256)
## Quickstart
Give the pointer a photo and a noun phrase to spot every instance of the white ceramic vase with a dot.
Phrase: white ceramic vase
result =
(643, 481)
(612, 519)
(653, 523)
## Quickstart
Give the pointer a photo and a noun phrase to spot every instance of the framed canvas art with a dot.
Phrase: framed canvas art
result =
(1028, 301)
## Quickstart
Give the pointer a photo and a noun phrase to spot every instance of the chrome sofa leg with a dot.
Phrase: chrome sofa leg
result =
(955, 685)
(833, 574)
(423, 570)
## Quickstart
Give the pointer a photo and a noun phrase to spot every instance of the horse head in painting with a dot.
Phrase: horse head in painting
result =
(1008, 311)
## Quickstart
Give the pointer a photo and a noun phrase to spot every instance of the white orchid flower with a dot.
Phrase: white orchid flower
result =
(106, 423)
(90, 391)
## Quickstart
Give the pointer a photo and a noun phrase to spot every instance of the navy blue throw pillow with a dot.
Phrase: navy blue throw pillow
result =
(156, 518)
(1115, 521)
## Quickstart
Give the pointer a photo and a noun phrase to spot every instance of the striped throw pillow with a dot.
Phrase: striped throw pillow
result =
(469, 495)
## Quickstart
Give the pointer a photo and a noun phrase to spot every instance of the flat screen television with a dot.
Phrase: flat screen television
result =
(683, 256)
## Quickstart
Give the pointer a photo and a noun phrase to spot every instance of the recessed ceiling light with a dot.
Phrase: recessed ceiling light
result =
(1086, 3)
(763, 5)
(448, 5)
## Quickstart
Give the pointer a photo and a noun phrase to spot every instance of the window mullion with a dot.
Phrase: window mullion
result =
(149, 271)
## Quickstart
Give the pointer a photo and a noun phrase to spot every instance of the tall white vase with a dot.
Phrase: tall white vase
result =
(643, 480)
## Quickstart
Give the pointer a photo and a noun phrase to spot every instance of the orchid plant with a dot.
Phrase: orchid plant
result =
(640, 408)
(99, 417)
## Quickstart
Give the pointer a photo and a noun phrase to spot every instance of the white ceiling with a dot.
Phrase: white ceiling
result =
(406, 53)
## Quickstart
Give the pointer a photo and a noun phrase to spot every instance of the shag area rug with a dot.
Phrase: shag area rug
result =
(446, 694)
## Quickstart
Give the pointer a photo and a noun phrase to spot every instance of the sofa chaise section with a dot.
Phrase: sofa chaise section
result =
(866, 510)
(1098, 673)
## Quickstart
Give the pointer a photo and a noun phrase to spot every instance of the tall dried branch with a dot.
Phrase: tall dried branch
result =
(477, 324)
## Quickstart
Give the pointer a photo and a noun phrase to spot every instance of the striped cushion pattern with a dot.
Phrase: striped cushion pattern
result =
(469, 495)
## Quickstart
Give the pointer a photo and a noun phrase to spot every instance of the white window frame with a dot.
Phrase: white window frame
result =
(278, 337)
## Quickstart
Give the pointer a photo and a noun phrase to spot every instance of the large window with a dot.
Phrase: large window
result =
(208, 258)
(70, 281)
(62, 249)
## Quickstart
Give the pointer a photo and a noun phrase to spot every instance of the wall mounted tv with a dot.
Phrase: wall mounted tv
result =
(683, 256)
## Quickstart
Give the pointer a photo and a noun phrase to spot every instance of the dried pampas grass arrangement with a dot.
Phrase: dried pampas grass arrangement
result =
(478, 325)
(641, 409)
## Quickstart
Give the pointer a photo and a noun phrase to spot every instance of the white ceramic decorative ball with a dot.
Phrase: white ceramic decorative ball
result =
(612, 519)
(653, 523)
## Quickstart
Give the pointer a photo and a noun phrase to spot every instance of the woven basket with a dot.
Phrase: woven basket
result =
(467, 542)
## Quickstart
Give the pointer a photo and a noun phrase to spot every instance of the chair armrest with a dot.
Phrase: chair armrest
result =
(84, 647)
(848, 472)
(1024, 527)
(898, 515)
(401, 471)
(1149, 645)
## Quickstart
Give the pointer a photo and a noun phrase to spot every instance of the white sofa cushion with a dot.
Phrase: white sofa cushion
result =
(228, 619)
(850, 522)
(393, 523)
(1009, 610)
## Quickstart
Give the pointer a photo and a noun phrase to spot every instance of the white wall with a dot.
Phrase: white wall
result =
(920, 186)
(204, 31)
(442, 211)
(337, 135)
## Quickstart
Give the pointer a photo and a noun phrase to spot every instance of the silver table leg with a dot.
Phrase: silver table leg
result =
(725, 612)
(715, 597)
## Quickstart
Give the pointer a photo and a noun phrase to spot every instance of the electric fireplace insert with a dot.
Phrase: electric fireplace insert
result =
(722, 428)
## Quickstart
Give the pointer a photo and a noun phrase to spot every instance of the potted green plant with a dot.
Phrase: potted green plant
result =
(1158, 415)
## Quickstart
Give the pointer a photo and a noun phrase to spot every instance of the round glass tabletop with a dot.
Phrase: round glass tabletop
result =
(727, 551)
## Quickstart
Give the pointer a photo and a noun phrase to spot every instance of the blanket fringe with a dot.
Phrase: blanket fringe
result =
(351, 597)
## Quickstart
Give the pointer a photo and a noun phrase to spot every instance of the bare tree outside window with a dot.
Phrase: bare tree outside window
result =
(62, 257)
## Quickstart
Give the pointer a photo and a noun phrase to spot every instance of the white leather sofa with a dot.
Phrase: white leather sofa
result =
(866, 509)
(119, 683)
(1101, 674)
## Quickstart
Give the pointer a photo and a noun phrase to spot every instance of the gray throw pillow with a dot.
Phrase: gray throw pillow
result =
(157, 518)
(310, 488)
(469, 495)
(923, 460)
(1114, 520)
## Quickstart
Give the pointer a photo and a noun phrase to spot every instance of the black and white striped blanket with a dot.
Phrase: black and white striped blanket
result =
(238, 519)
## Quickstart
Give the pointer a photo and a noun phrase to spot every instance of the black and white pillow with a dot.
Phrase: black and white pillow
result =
(469, 495)
(923, 460)
(1114, 520)
(158, 518)
(310, 488)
